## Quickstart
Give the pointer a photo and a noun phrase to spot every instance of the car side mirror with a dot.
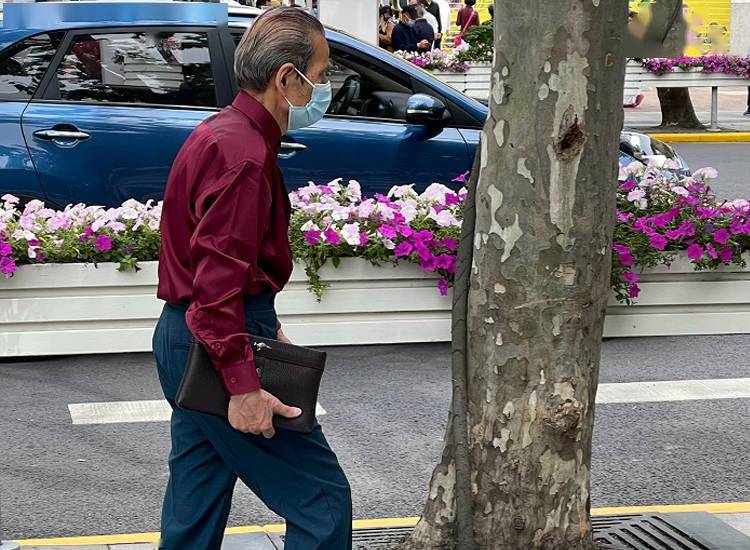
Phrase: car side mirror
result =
(426, 110)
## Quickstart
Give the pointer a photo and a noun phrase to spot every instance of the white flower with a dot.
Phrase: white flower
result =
(335, 185)
(354, 190)
(128, 213)
(680, 191)
(309, 225)
(400, 191)
(436, 193)
(367, 208)
(385, 210)
(389, 244)
(153, 224)
(707, 173)
(350, 233)
(624, 174)
(340, 212)
(11, 199)
(636, 195)
(116, 226)
(409, 212)
(58, 242)
(444, 218)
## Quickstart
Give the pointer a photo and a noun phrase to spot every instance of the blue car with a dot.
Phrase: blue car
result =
(96, 99)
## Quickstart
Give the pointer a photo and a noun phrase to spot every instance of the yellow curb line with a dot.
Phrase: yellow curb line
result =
(712, 508)
(707, 137)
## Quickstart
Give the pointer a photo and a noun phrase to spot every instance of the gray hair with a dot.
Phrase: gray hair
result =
(280, 35)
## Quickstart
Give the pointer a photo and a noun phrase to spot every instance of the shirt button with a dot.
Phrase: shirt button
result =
(233, 380)
(216, 346)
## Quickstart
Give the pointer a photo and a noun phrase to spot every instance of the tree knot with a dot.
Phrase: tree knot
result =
(564, 416)
(571, 138)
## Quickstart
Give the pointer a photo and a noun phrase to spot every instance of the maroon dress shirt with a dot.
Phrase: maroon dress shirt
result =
(224, 231)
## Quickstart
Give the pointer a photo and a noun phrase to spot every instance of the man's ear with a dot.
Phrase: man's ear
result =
(284, 75)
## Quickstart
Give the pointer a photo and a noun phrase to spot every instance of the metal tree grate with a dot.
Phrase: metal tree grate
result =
(643, 532)
(679, 531)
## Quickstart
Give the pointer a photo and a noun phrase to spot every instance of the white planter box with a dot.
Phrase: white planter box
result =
(474, 83)
(78, 308)
(639, 79)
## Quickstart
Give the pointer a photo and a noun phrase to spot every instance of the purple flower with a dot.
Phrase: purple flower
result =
(87, 234)
(5, 249)
(403, 249)
(695, 252)
(624, 217)
(451, 199)
(428, 263)
(627, 259)
(312, 237)
(687, 229)
(705, 212)
(721, 236)
(127, 250)
(620, 248)
(363, 238)
(445, 261)
(461, 178)
(405, 230)
(726, 255)
(629, 277)
(634, 291)
(674, 234)
(388, 231)
(711, 251)
(627, 185)
(659, 242)
(450, 244)
(398, 217)
(437, 208)
(325, 190)
(7, 265)
(443, 286)
(102, 242)
(331, 236)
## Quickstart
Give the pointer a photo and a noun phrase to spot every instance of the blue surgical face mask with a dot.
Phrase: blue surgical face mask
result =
(409, 22)
(307, 115)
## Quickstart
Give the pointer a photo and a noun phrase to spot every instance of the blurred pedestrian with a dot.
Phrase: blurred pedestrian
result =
(424, 29)
(385, 28)
(433, 18)
(467, 18)
(404, 36)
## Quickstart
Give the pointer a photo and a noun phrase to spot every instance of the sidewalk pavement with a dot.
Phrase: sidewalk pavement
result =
(732, 105)
(272, 537)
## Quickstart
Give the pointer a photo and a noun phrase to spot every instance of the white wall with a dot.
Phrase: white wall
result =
(739, 31)
(357, 17)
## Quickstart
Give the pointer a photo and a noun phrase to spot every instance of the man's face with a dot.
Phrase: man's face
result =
(299, 91)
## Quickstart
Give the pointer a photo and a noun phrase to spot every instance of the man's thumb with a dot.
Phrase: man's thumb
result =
(288, 412)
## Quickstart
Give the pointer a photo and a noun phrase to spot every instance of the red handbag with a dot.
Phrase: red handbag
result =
(459, 39)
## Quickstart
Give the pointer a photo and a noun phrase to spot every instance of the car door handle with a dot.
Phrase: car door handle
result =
(290, 148)
(66, 135)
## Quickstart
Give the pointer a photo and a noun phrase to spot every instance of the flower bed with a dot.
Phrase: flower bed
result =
(437, 60)
(712, 64)
(659, 214)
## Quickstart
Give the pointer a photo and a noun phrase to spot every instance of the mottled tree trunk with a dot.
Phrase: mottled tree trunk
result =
(539, 279)
(677, 109)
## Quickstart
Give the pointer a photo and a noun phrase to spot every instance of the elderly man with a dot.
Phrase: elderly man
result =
(225, 254)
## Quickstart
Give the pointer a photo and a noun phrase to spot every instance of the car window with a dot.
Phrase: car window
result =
(23, 65)
(161, 68)
(362, 87)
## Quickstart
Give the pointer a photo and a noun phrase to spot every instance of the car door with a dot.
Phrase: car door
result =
(365, 136)
(115, 108)
(22, 66)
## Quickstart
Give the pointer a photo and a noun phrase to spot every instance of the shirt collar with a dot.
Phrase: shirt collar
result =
(259, 117)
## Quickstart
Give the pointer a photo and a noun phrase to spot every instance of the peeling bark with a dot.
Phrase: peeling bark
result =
(539, 279)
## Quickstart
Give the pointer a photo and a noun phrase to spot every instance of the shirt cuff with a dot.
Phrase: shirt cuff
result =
(240, 378)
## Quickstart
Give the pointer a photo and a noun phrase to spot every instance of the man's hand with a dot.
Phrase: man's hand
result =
(423, 43)
(253, 412)
(281, 337)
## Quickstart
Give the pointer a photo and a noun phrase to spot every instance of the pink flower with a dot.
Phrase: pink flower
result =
(695, 252)
(331, 236)
(403, 249)
(461, 178)
(312, 237)
(659, 242)
(7, 265)
(711, 251)
(726, 255)
(5, 249)
(627, 185)
(629, 276)
(387, 231)
(736, 227)
(620, 248)
(102, 242)
(450, 244)
(451, 199)
(626, 259)
(721, 236)
(363, 238)
(634, 291)
(443, 286)
(429, 263)
(624, 217)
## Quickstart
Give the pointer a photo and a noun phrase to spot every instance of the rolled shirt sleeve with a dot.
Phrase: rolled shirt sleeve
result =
(233, 209)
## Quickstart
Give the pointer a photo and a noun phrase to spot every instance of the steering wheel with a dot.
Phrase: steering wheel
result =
(344, 97)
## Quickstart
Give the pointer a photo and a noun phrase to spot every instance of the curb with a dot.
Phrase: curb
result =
(702, 137)
(712, 508)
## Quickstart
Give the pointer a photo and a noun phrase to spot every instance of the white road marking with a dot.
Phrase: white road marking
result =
(117, 412)
(673, 390)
